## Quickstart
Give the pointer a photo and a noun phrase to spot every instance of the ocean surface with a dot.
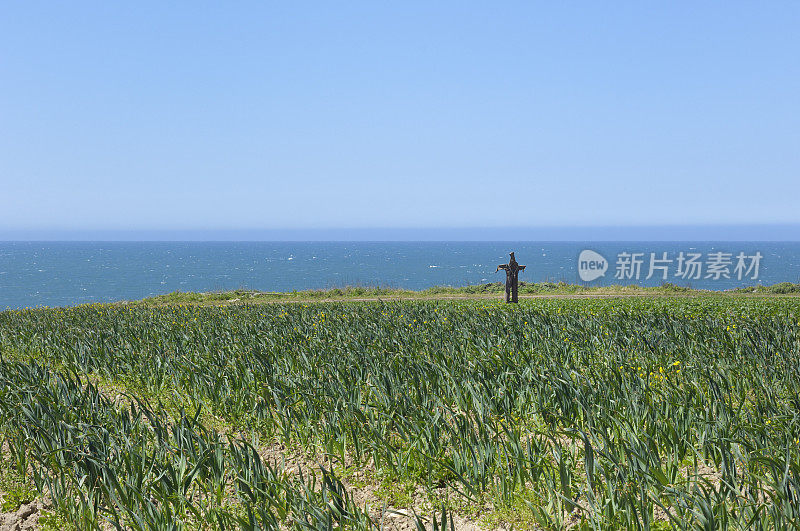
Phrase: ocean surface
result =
(69, 273)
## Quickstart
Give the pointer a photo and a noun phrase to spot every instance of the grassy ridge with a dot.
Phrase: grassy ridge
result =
(489, 289)
(604, 413)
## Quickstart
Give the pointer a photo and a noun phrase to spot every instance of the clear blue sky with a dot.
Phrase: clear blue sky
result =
(167, 115)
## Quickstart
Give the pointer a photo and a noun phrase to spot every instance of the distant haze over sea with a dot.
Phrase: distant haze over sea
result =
(35, 273)
(720, 232)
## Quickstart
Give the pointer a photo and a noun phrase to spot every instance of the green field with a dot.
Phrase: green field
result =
(636, 412)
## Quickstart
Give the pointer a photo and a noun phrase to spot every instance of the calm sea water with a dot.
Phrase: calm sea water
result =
(69, 273)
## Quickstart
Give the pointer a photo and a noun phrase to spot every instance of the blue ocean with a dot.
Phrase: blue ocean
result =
(69, 273)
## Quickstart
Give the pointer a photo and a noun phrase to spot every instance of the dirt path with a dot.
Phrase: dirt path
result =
(499, 298)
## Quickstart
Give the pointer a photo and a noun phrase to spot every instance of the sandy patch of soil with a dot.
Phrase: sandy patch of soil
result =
(26, 517)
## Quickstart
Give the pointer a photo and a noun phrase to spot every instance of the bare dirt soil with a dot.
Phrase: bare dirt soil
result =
(26, 517)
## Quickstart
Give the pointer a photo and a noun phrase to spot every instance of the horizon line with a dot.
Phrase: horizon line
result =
(767, 232)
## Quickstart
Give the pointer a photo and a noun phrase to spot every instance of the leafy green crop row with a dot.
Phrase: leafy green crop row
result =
(627, 413)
